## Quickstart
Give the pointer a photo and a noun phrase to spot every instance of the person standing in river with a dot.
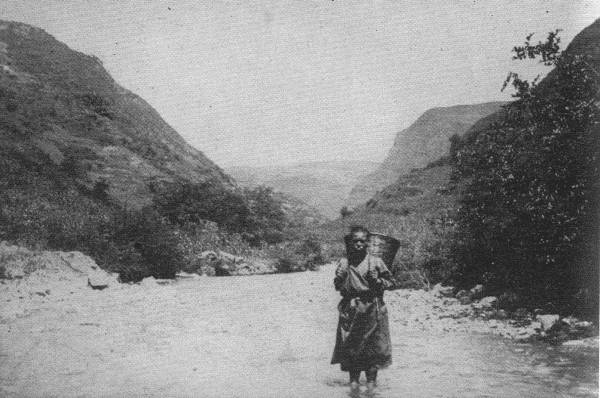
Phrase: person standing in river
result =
(363, 335)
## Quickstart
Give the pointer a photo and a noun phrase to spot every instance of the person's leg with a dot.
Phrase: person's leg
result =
(371, 376)
(354, 377)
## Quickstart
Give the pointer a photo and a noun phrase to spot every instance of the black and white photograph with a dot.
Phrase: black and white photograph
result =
(299, 198)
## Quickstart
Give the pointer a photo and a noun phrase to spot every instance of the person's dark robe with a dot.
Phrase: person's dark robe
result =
(363, 333)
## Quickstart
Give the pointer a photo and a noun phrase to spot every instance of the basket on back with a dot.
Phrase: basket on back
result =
(380, 245)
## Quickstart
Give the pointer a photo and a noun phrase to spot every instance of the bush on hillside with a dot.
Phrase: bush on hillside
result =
(297, 256)
(156, 242)
(267, 220)
(185, 202)
(528, 219)
(133, 243)
(254, 213)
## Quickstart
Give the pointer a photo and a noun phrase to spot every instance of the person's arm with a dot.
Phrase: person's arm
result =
(379, 277)
(340, 274)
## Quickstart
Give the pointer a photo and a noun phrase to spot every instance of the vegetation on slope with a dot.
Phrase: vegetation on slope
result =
(418, 209)
(528, 222)
(86, 165)
(515, 203)
(423, 142)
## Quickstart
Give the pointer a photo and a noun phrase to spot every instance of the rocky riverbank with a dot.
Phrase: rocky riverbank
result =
(440, 309)
(259, 336)
(32, 280)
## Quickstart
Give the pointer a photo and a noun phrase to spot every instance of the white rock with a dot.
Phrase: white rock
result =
(547, 320)
(570, 320)
(574, 343)
(442, 291)
(148, 282)
(488, 302)
(476, 291)
(536, 325)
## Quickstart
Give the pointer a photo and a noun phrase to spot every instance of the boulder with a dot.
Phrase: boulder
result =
(488, 302)
(42, 267)
(584, 325)
(463, 297)
(442, 291)
(148, 282)
(98, 284)
(569, 321)
(209, 255)
(232, 258)
(548, 321)
(476, 292)
(537, 325)
(223, 269)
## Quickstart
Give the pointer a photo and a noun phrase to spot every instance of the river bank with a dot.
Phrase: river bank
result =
(260, 336)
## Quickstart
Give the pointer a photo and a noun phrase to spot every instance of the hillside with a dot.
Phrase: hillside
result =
(529, 215)
(60, 109)
(586, 43)
(417, 209)
(425, 141)
(86, 165)
(322, 185)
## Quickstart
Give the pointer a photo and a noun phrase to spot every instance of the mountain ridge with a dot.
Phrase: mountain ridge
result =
(323, 185)
(65, 105)
(424, 141)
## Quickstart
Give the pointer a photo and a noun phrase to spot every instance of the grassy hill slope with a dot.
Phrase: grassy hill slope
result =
(61, 109)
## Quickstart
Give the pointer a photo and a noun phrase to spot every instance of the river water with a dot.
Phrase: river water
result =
(259, 336)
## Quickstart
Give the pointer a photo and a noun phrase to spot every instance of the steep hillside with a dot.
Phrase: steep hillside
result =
(528, 221)
(425, 141)
(322, 185)
(60, 109)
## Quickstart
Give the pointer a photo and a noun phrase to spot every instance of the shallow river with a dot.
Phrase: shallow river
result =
(260, 336)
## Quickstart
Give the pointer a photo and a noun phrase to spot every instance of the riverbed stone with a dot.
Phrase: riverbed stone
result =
(488, 302)
(548, 321)
(442, 291)
(476, 292)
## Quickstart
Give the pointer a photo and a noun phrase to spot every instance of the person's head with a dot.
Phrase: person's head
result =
(359, 236)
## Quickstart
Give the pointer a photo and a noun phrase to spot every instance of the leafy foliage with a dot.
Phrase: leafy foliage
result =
(254, 213)
(528, 219)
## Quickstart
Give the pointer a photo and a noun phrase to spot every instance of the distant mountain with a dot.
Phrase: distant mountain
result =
(60, 109)
(322, 185)
(425, 141)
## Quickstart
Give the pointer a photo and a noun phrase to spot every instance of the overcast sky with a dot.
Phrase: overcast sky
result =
(260, 82)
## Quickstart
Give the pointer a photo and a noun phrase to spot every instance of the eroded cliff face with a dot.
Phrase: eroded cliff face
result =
(425, 141)
(61, 109)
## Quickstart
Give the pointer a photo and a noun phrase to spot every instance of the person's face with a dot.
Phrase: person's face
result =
(359, 241)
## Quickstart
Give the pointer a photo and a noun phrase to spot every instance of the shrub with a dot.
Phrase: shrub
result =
(186, 202)
(135, 244)
(528, 219)
(345, 212)
(255, 214)
(294, 256)
(155, 241)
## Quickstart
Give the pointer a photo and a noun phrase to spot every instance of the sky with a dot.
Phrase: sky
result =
(271, 82)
